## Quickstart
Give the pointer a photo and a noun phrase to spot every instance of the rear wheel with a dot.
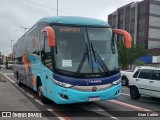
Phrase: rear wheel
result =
(134, 93)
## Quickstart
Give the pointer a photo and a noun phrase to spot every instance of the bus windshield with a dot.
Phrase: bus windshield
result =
(85, 50)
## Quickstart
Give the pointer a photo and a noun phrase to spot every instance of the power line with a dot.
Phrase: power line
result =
(49, 7)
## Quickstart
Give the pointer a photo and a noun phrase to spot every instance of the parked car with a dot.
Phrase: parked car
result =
(2, 66)
(125, 75)
(145, 81)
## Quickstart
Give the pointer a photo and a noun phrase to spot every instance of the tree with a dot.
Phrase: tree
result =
(129, 56)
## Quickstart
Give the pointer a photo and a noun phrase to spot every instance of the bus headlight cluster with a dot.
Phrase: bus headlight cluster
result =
(116, 82)
(66, 85)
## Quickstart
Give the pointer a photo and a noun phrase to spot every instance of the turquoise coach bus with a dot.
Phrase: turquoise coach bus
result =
(70, 59)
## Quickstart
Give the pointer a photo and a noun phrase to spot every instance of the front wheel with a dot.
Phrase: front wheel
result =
(40, 94)
(134, 93)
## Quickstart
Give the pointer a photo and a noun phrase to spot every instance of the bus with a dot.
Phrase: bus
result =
(70, 59)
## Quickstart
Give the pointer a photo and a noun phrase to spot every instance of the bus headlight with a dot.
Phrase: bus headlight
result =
(66, 85)
(116, 82)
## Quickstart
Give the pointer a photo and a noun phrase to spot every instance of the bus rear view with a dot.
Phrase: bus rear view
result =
(77, 62)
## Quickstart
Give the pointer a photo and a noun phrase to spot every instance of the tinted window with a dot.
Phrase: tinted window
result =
(145, 74)
(156, 75)
(47, 55)
(136, 73)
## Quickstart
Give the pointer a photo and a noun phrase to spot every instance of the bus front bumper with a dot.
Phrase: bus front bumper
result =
(69, 95)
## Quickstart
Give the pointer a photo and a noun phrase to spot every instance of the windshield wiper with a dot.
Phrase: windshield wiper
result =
(98, 58)
(83, 60)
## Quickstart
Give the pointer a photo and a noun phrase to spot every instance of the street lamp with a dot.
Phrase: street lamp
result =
(25, 28)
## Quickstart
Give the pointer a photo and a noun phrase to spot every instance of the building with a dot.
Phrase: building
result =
(142, 21)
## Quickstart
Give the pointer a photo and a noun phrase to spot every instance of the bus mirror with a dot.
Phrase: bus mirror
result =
(127, 37)
(51, 36)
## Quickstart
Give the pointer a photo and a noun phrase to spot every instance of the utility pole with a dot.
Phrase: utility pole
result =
(57, 7)
(11, 48)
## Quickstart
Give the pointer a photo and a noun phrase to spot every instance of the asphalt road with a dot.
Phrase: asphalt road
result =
(123, 108)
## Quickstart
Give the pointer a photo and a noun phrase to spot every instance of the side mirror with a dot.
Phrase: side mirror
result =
(51, 36)
(127, 37)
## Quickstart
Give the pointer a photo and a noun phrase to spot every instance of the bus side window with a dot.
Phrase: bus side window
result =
(46, 55)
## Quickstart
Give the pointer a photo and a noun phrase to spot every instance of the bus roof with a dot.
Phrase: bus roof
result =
(71, 20)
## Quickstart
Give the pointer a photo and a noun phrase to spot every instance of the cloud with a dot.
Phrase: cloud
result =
(16, 13)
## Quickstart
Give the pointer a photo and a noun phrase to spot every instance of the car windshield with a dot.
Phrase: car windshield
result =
(85, 50)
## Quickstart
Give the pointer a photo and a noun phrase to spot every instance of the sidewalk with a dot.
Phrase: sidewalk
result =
(11, 99)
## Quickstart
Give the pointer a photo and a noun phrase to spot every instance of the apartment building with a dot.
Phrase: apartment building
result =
(142, 21)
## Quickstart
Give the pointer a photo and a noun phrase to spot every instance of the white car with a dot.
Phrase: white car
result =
(2, 66)
(145, 81)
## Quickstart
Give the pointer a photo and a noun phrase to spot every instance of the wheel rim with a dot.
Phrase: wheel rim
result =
(40, 91)
(133, 93)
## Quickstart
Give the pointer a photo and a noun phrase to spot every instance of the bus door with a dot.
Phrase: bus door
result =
(47, 61)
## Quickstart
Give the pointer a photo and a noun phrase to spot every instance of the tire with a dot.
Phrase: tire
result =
(124, 81)
(40, 94)
(134, 93)
(18, 82)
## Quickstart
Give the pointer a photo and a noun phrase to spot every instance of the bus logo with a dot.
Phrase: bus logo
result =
(94, 89)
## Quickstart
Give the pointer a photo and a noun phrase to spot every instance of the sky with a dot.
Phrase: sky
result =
(19, 14)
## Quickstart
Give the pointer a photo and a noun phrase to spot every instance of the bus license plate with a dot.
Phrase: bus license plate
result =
(93, 99)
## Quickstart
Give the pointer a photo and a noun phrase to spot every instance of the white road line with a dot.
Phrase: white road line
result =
(125, 94)
(16, 85)
(8, 74)
(22, 90)
(29, 95)
(38, 101)
(114, 118)
(12, 81)
(96, 109)
(129, 105)
(56, 114)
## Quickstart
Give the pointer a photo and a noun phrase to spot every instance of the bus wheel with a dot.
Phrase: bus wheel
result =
(18, 82)
(40, 94)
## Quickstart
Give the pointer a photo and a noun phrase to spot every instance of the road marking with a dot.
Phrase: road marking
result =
(61, 114)
(12, 81)
(56, 114)
(8, 73)
(114, 118)
(29, 95)
(125, 94)
(38, 101)
(22, 90)
(128, 105)
(17, 85)
(96, 109)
